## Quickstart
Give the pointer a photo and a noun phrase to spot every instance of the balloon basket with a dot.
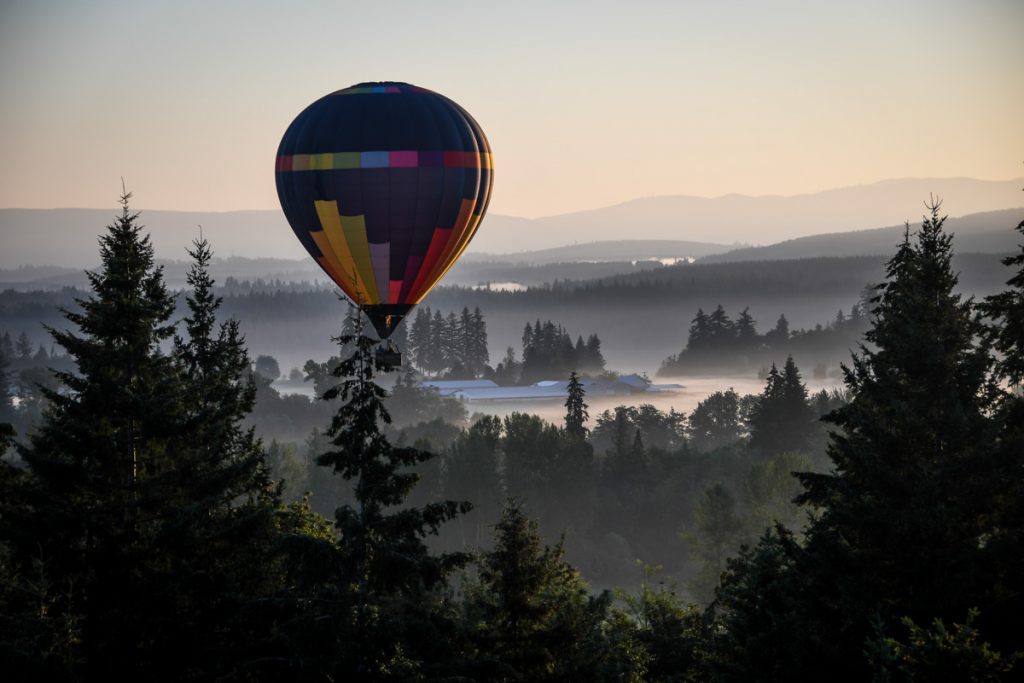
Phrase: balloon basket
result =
(387, 357)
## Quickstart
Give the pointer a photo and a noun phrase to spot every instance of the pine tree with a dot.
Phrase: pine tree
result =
(528, 336)
(465, 333)
(452, 348)
(721, 330)
(479, 354)
(782, 420)
(594, 358)
(902, 515)
(700, 335)
(532, 615)
(23, 347)
(1006, 310)
(222, 523)
(435, 358)
(575, 409)
(777, 337)
(419, 338)
(98, 460)
(746, 331)
(762, 632)
(7, 346)
(1005, 547)
(382, 547)
(151, 509)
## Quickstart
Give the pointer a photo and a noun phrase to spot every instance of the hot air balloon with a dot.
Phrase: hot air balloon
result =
(384, 184)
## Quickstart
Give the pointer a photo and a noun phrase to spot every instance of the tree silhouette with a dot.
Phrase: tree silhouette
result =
(575, 408)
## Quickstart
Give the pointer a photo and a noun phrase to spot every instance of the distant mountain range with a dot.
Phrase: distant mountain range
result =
(982, 233)
(752, 220)
(67, 237)
(985, 233)
(611, 250)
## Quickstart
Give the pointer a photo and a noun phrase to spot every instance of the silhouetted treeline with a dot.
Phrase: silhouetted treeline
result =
(142, 534)
(718, 342)
(642, 316)
(452, 345)
(549, 352)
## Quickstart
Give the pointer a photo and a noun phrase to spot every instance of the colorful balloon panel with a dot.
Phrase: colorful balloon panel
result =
(384, 184)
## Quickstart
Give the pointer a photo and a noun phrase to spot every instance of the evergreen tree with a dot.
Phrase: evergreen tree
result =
(533, 616)
(98, 460)
(223, 522)
(548, 351)
(151, 509)
(382, 548)
(700, 335)
(576, 409)
(1006, 310)
(903, 514)
(580, 349)
(528, 336)
(472, 332)
(6, 345)
(23, 347)
(452, 346)
(777, 337)
(746, 332)
(782, 420)
(759, 617)
(435, 358)
(419, 338)
(1005, 547)
(465, 341)
(720, 329)
(593, 361)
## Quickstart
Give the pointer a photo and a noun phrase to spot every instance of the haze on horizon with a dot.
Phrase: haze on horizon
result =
(585, 104)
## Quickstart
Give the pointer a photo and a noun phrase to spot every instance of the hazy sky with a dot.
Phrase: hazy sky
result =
(585, 103)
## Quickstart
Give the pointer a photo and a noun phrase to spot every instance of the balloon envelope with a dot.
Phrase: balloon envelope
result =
(384, 184)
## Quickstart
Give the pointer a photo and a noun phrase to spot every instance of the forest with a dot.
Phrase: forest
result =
(641, 317)
(869, 533)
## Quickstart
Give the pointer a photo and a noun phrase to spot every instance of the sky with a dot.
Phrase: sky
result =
(585, 104)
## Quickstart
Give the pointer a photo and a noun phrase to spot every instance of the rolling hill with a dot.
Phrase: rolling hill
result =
(67, 237)
(986, 233)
